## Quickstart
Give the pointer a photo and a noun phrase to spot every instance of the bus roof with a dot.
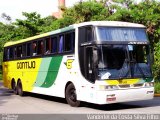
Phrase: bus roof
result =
(111, 24)
(71, 27)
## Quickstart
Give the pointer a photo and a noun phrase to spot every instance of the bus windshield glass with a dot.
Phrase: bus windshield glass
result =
(124, 61)
(121, 34)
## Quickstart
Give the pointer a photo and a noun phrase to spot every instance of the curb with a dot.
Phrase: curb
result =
(156, 95)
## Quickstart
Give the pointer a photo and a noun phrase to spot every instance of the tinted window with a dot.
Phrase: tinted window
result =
(121, 34)
(34, 48)
(69, 42)
(15, 52)
(24, 49)
(48, 46)
(11, 53)
(54, 44)
(28, 49)
(85, 34)
(61, 42)
(19, 51)
(40, 47)
(5, 54)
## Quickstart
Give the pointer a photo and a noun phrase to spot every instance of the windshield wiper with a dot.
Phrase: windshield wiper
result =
(139, 68)
(124, 74)
(130, 69)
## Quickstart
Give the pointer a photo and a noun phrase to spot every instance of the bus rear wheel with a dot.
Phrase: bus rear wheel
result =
(71, 96)
(14, 87)
(20, 88)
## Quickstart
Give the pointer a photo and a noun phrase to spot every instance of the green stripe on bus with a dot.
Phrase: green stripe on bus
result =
(52, 71)
(42, 73)
(148, 79)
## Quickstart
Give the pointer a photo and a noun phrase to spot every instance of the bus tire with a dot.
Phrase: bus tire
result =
(14, 87)
(20, 88)
(71, 96)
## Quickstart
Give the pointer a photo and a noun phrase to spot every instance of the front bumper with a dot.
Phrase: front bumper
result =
(125, 95)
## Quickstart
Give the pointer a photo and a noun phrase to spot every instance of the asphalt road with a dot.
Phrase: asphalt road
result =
(40, 104)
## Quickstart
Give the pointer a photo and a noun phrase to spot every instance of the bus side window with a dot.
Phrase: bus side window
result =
(19, 51)
(15, 52)
(5, 54)
(89, 34)
(47, 45)
(34, 48)
(8, 52)
(11, 55)
(61, 41)
(54, 44)
(85, 34)
(40, 49)
(69, 42)
(24, 49)
(28, 49)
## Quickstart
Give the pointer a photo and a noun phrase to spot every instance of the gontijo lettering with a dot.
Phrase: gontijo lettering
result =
(26, 65)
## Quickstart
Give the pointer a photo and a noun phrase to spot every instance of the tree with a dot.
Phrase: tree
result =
(47, 26)
(31, 23)
(6, 33)
(6, 17)
(86, 11)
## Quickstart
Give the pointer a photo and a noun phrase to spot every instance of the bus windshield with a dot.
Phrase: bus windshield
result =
(123, 61)
(121, 34)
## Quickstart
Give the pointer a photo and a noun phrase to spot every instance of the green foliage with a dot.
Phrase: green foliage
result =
(0, 76)
(47, 26)
(86, 11)
(62, 22)
(20, 29)
(148, 13)
(157, 87)
(31, 24)
(0, 65)
(156, 66)
(7, 32)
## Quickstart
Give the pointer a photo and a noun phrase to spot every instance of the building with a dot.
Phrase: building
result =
(61, 3)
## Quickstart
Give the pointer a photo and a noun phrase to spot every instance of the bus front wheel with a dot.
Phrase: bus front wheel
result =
(71, 96)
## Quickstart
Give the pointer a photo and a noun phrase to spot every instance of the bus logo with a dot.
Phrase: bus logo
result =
(68, 63)
(26, 65)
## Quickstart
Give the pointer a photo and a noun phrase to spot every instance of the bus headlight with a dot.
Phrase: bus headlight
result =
(108, 87)
(149, 84)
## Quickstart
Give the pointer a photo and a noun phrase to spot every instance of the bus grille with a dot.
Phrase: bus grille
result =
(131, 86)
(138, 85)
(124, 86)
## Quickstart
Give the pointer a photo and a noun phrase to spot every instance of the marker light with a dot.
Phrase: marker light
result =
(108, 87)
(149, 84)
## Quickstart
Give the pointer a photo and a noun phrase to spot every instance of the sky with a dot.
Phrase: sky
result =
(14, 8)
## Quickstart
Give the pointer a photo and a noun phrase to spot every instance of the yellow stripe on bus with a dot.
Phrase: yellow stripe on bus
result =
(121, 82)
(25, 70)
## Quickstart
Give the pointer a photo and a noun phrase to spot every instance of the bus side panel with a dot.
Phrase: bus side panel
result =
(67, 72)
(24, 70)
(5, 76)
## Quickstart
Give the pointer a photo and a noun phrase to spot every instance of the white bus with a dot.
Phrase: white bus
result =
(99, 62)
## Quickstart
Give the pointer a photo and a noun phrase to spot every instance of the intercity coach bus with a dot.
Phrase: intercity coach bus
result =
(99, 62)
